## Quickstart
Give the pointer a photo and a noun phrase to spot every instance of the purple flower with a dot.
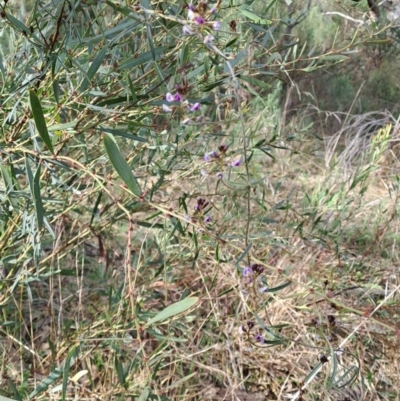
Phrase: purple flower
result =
(216, 25)
(195, 107)
(200, 20)
(247, 271)
(169, 97)
(178, 97)
(187, 217)
(213, 10)
(250, 324)
(263, 289)
(191, 7)
(186, 121)
(208, 39)
(166, 108)
(220, 175)
(210, 155)
(186, 30)
(260, 339)
(236, 163)
(207, 219)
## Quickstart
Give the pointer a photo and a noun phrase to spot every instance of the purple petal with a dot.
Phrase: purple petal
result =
(195, 107)
(213, 10)
(177, 97)
(207, 157)
(186, 121)
(191, 7)
(208, 39)
(236, 163)
(200, 20)
(263, 289)
(186, 30)
(169, 97)
(216, 25)
(260, 339)
(247, 271)
(207, 219)
(220, 176)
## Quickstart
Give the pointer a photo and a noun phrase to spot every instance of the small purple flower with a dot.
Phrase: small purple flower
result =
(186, 121)
(166, 108)
(207, 219)
(236, 163)
(169, 97)
(191, 7)
(186, 30)
(250, 324)
(220, 175)
(187, 217)
(200, 20)
(216, 25)
(263, 289)
(260, 338)
(210, 155)
(247, 271)
(208, 39)
(178, 97)
(213, 10)
(195, 107)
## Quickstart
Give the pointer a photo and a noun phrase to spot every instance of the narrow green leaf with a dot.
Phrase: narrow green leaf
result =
(34, 186)
(174, 309)
(40, 122)
(2, 398)
(144, 58)
(55, 375)
(145, 394)
(93, 69)
(255, 81)
(120, 164)
(9, 186)
(180, 381)
(67, 365)
(17, 24)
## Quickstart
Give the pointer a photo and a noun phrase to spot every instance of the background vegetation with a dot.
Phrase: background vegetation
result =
(199, 202)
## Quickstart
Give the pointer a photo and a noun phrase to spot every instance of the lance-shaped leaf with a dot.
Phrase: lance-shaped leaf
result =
(34, 185)
(40, 122)
(173, 310)
(120, 164)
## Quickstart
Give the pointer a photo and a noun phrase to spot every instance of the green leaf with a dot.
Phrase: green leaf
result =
(34, 185)
(120, 164)
(174, 309)
(93, 69)
(144, 58)
(55, 375)
(145, 394)
(17, 24)
(254, 17)
(5, 398)
(40, 122)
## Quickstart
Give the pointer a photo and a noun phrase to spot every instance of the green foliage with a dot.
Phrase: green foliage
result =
(152, 203)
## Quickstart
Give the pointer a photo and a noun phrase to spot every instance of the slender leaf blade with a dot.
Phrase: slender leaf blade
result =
(174, 309)
(40, 122)
(120, 165)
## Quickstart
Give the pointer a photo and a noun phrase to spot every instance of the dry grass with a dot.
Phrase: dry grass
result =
(336, 245)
